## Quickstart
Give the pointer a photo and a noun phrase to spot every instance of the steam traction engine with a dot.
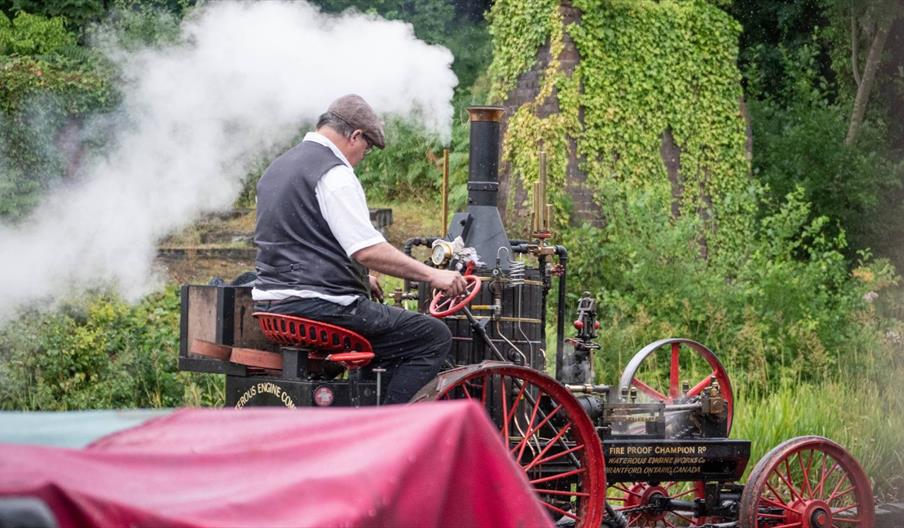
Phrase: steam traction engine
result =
(653, 451)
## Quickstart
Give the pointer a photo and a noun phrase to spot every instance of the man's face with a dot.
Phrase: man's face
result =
(359, 146)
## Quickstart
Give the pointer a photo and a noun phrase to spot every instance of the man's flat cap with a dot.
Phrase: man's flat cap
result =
(355, 111)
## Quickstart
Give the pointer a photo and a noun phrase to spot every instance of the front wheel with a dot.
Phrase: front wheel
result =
(807, 482)
(546, 430)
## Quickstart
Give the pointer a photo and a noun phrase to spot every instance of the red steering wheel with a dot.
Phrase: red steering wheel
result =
(444, 306)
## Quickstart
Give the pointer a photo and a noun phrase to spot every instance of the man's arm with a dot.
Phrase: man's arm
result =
(385, 258)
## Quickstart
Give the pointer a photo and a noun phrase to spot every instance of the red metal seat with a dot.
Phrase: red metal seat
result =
(329, 342)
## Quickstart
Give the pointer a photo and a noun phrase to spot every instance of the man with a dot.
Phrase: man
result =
(314, 240)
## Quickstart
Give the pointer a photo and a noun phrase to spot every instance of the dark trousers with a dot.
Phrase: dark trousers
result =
(411, 346)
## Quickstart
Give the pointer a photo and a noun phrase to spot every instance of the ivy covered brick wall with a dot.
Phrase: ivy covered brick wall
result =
(624, 94)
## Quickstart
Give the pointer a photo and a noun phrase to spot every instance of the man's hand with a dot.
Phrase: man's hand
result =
(376, 291)
(384, 258)
(451, 282)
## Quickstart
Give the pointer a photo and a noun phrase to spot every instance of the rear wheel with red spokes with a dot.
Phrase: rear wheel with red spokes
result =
(807, 482)
(636, 500)
(547, 431)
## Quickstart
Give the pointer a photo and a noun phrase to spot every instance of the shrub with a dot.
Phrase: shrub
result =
(100, 352)
(33, 35)
(784, 306)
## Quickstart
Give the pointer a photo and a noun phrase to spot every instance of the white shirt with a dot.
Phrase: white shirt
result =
(344, 207)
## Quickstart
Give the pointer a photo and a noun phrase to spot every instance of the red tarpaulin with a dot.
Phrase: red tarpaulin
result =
(439, 464)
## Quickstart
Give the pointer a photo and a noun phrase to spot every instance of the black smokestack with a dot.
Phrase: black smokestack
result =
(483, 178)
(481, 227)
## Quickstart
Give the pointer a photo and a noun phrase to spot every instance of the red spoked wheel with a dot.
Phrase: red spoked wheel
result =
(547, 431)
(807, 482)
(685, 358)
(443, 306)
(633, 500)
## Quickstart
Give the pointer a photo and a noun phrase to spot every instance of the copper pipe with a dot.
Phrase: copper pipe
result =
(540, 197)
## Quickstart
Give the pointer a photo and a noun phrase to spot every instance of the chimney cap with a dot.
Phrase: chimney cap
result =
(485, 113)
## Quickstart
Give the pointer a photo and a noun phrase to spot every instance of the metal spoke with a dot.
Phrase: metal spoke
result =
(559, 476)
(776, 504)
(787, 481)
(518, 398)
(649, 391)
(560, 492)
(840, 494)
(505, 427)
(541, 424)
(777, 496)
(559, 510)
(556, 456)
(674, 372)
(846, 508)
(835, 489)
(530, 429)
(685, 517)
(825, 475)
(682, 494)
(626, 490)
(806, 476)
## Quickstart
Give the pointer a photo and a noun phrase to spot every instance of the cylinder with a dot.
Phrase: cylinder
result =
(483, 168)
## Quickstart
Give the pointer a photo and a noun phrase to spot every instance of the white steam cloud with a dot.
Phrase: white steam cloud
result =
(249, 75)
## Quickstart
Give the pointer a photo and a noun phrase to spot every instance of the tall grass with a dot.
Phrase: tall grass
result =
(862, 417)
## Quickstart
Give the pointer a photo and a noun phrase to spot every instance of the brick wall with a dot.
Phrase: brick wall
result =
(584, 210)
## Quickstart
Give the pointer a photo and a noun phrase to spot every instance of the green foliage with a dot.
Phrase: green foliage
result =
(80, 15)
(785, 307)
(33, 35)
(49, 86)
(518, 30)
(411, 165)
(781, 282)
(99, 353)
(45, 87)
(798, 332)
(796, 59)
(636, 56)
(773, 31)
(74, 12)
(134, 24)
(529, 131)
(804, 146)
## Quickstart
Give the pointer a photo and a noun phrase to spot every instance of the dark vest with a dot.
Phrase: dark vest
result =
(295, 247)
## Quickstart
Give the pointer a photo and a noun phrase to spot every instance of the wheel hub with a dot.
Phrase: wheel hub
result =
(642, 494)
(810, 513)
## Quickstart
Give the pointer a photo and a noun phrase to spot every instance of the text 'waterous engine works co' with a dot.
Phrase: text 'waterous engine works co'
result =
(652, 451)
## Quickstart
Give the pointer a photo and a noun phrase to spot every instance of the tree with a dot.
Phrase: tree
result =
(877, 17)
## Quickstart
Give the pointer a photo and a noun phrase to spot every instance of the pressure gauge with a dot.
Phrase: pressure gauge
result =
(442, 252)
